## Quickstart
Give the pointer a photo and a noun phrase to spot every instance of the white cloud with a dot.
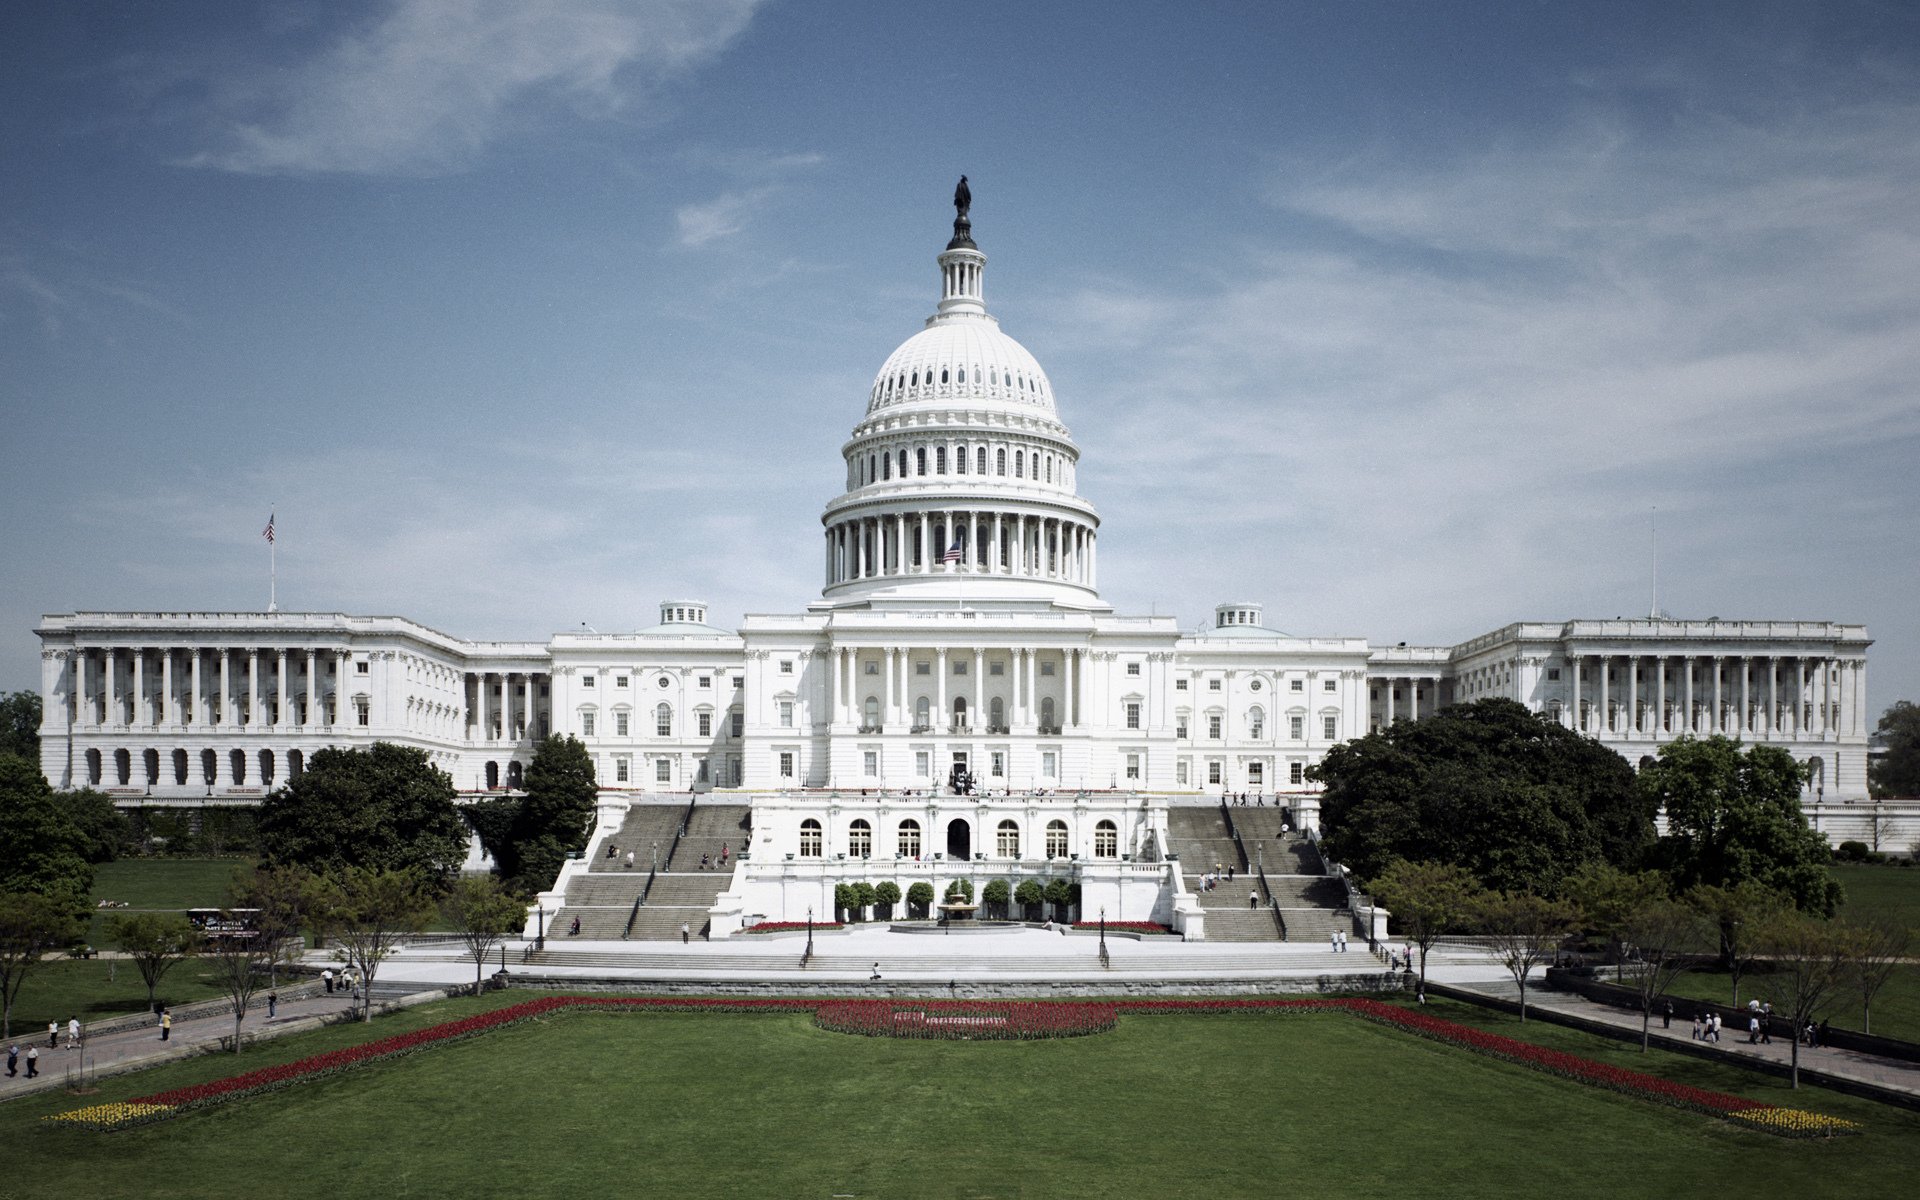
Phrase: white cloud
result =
(723, 216)
(762, 177)
(431, 84)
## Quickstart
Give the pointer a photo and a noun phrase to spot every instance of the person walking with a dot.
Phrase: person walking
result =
(273, 1003)
(73, 1033)
(1253, 898)
(1666, 1017)
(13, 1060)
(33, 1061)
(326, 977)
(166, 1024)
(629, 860)
(1333, 941)
(686, 933)
(53, 1035)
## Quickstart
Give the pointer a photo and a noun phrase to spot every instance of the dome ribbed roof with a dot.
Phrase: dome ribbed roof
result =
(962, 360)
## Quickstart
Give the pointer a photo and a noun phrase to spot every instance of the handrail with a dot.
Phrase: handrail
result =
(1233, 831)
(682, 831)
(633, 914)
(1279, 921)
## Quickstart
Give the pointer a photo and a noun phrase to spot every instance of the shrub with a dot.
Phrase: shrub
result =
(1850, 851)
(919, 899)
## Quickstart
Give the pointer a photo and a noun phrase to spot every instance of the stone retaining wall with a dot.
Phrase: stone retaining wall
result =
(1362, 982)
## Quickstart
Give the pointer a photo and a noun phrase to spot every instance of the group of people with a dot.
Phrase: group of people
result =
(343, 980)
(1339, 941)
(13, 1061)
(707, 862)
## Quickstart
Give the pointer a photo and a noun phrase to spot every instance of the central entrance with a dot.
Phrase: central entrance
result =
(959, 840)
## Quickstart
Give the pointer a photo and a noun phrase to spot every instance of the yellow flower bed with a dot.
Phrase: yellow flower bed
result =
(117, 1115)
(1794, 1122)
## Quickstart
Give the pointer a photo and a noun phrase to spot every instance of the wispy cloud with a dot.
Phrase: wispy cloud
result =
(428, 86)
(722, 216)
(762, 177)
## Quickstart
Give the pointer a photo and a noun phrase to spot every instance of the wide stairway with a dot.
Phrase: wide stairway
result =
(1312, 904)
(603, 898)
(1201, 838)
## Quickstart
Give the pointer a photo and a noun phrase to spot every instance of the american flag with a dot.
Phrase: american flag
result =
(953, 553)
(268, 531)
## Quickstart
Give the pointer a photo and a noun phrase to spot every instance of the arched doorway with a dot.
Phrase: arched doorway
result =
(959, 840)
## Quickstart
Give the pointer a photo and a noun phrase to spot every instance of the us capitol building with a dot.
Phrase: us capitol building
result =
(959, 641)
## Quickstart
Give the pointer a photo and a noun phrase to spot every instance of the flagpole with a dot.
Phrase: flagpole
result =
(273, 561)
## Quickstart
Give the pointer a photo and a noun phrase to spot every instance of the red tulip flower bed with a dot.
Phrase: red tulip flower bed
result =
(789, 926)
(965, 1020)
(1124, 926)
(1021, 1020)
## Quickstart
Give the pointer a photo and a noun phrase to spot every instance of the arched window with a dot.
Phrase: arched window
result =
(209, 768)
(859, 839)
(1106, 840)
(493, 775)
(180, 766)
(266, 768)
(959, 712)
(903, 462)
(943, 375)
(1000, 461)
(663, 720)
(123, 767)
(960, 460)
(93, 768)
(996, 713)
(920, 461)
(872, 710)
(922, 714)
(1008, 839)
(296, 764)
(1056, 839)
(1019, 463)
(515, 773)
(961, 377)
(909, 843)
(1256, 722)
(1046, 713)
(151, 763)
(237, 760)
(809, 838)
(886, 466)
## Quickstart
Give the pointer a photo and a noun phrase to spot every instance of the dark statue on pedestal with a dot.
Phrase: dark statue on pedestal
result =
(962, 226)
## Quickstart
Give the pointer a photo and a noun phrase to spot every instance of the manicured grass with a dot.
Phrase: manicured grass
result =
(169, 883)
(1880, 890)
(65, 987)
(1896, 1007)
(691, 1105)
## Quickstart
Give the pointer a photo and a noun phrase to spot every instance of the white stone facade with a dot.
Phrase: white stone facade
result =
(960, 622)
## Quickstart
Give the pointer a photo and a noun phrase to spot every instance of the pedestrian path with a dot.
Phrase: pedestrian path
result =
(129, 1049)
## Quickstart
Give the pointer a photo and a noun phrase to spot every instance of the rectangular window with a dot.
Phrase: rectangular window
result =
(1046, 668)
(586, 681)
(1330, 727)
(1213, 685)
(786, 764)
(1133, 766)
(1256, 774)
(1049, 764)
(739, 681)
(620, 766)
(999, 764)
(620, 724)
(586, 724)
(1180, 772)
(706, 681)
(1180, 727)
(1296, 727)
(619, 681)
(1297, 685)
(1213, 726)
(1133, 669)
(361, 714)
(360, 668)
(1553, 674)
(1331, 685)
(663, 770)
(1213, 770)
(705, 720)
(786, 666)
(739, 723)
(1296, 773)
(959, 666)
(1179, 685)
(872, 668)
(663, 721)
(996, 668)
(870, 760)
(920, 763)
(786, 714)
(923, 668)
(1133, 714)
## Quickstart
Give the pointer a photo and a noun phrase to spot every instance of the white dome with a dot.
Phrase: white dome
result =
(961, 361)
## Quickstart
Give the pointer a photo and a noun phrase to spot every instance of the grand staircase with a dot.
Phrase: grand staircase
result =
(1312, 904)
(673, 835)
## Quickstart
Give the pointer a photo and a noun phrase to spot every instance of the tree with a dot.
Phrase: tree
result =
(1809, 965)
(20, 725)
(484, 912)
(1030, 895)
(919, 899)
(1512, 796)
(556, 816)
(1663, 933)
(41, 849)
(1608, 898)
(104, 829)
(1737, 913)
(863, 898)
(238, 957)
(1897, 771)
(1874, 949)
(387, 808)
(1060, 896)
(280, 898)
(843, 903)
(156, 942)
(996, 895)
(1734, 817)
(886, 894)
(30, 925)
(1426, 900)
(1525, 930)
(371, 911)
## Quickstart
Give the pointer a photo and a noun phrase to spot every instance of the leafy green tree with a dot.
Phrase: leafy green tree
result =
(1734, 817)
(1897, 771)
(1060, 894)
(1512, 796)
(494, 819)
(156, 942)
(387, 808)
(1875, 949)
(1737, 914)
(996, 895)
(30, 925)
(104, 828)
(886, 894)
(1607, 898)
(41, 849)
(863, 897)
(20, 725)
(556, 816)
(960, 890)
(483, 912)
(1809, 960)
(1664, 934)
(1030, 895)
(1525, 932)
(920, 899)
(281, 898)
(1426, 900)
(371, 910)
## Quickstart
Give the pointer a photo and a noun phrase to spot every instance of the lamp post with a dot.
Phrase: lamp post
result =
(653, 857)
(809, 932)
(540, 942)
(1103, 933)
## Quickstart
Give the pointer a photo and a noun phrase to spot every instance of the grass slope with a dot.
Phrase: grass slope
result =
(729, 1105)
(166, 883)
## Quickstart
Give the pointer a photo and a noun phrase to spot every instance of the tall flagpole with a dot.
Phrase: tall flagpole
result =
(273, 565)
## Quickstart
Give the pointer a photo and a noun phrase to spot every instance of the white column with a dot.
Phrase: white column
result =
(1573, 662)
(1746, 692)
(313, 694)
(1660, 696)
(1773, 724)
(979, 678)
(169, 703)
(141, 714)
(1390, 682)
(1070, 718)
(1633, 694)
(1413, 698)
(1714, 724)
(280, 687)
(196, 710)
(253, 688)
(82, 701)
(506, 709)
(940, 690)
(1606, 697)
(1801, 697)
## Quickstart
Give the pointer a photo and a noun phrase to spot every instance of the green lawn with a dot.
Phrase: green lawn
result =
(765, 1105)
(166, 882)
(63, 987)
(1873, 891)
(1896, 1008)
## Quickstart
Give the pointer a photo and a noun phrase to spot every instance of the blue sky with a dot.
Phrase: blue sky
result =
(1399, 318)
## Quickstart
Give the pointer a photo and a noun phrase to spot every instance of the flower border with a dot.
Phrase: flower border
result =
(1010, 1020)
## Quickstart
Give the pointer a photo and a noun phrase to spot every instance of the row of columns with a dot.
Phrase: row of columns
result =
(502, 705)
(154, 767)
(1817, 697)
(1018, 545)
(209, 697)
(1413, 683)
(845, 699)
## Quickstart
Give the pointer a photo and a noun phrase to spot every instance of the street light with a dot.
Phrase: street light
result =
(540, 942)
(809, 933)
(1103, 933)
(653, 857)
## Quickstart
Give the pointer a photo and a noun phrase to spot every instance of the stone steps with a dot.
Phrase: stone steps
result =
(1084, 957)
